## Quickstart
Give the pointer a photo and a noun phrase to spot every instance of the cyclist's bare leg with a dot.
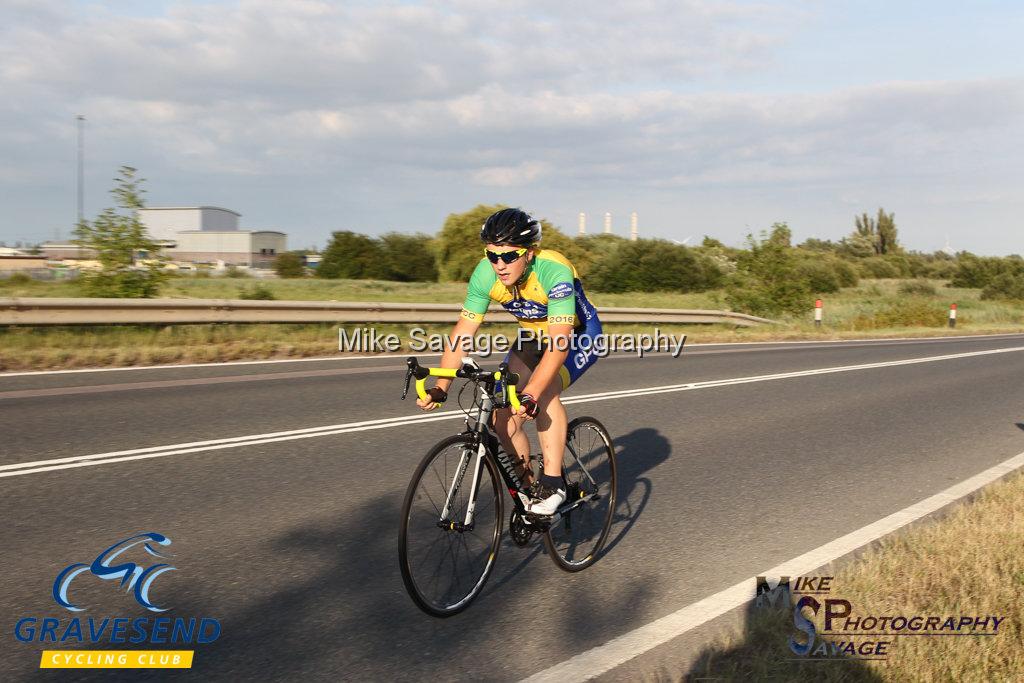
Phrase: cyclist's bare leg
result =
(509, 428)
(552, 423)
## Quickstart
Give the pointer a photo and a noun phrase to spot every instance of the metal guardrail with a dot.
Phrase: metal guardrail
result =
(46, 311)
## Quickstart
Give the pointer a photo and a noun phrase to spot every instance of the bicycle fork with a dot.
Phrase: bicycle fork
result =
(467, 525)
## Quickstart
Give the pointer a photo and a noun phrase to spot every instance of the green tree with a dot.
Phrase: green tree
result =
(458, 244)
(459, 249)
(131, 264)
(409, 258)
(649, 265)
(290, 264)
(352, 255)
(880, 232)
(1005, 285)
(815, 244)
(767, 280)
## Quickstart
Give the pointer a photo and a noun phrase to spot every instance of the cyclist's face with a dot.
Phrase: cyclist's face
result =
(509, 273)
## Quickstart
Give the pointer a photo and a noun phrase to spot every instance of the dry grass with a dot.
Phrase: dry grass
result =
(967, 562)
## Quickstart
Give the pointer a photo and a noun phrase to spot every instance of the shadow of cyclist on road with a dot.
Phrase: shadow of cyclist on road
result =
(636, 453)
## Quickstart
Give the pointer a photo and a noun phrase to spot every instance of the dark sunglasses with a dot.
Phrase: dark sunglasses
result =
(506, 256)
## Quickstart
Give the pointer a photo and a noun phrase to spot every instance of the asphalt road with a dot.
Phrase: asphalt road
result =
(290, 541)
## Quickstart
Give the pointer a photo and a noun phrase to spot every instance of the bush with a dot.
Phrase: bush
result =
(653, 265)
(878, 267)
(917, 288)
(846, 273)
(353, 256)
(258, 292)
(819, 276)
(234, 271)
(19, 279)
(979, 272)
(409, 258)
(590, 250)
(120, 284)
(290, 265)
(767, 280)
(940, 269)
(1005, 286)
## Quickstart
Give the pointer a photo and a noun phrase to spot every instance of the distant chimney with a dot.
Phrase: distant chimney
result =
(632, 226)
(607, 223)
(583, 223)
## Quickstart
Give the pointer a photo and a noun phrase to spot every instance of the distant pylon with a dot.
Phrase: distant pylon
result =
(632, 226)
(583, 223)
(607, 223)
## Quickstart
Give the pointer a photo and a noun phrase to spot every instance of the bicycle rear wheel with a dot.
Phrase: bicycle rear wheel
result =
(444, 566)
(588, 466)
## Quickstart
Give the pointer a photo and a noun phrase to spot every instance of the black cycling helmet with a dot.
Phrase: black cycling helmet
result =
(514, 227)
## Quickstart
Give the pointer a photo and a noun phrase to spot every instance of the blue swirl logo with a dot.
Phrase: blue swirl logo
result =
(133, 576)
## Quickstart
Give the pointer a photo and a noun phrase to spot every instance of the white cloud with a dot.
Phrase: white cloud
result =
(411, 105)
(511, 176)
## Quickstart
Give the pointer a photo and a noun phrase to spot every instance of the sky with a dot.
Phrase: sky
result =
(704, 117)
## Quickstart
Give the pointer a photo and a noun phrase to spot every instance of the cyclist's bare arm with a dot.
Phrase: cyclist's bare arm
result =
(550, 363)
(453, 354)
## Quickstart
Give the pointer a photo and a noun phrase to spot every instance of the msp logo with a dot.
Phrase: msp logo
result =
(847, 634)
(135, 576)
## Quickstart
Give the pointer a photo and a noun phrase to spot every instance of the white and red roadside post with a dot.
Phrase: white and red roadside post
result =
(952, 315)
(817, 313)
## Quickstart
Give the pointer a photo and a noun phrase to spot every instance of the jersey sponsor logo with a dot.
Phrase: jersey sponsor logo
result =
(562, 290)
(530, 310)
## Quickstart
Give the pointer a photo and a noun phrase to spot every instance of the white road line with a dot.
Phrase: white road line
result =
(617, 651)
(911, 340)
(16, 469)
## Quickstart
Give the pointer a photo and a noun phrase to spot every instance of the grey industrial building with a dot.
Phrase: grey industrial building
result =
(208, 234)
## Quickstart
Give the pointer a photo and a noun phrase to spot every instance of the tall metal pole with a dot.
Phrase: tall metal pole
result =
(81, 168)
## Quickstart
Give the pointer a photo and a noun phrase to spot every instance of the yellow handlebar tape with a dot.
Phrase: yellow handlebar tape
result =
(421, 386)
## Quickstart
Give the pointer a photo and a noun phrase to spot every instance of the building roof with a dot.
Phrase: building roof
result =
(188, 208)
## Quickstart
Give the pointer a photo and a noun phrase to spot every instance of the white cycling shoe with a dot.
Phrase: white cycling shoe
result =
(546, 501)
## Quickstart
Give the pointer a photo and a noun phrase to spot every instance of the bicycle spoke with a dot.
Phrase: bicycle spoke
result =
(445, 567)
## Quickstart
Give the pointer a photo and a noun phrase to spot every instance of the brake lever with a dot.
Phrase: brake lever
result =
(410, 366)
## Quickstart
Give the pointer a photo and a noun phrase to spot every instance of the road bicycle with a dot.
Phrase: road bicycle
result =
(453, 510)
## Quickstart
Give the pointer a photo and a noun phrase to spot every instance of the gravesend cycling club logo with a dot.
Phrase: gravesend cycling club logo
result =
(133, 565)
(135, 576)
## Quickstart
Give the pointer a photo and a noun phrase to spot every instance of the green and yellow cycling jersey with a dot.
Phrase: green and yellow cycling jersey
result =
(550, 292)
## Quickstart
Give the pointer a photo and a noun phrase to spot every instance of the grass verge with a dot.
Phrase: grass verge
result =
(52, 348)
(966, 562)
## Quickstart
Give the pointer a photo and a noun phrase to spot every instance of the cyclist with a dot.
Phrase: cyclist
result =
(542, 290)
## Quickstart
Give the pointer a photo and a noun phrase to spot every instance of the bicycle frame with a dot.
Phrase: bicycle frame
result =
(484, 441)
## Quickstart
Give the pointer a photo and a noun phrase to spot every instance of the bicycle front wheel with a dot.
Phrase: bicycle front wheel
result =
(445, 563)
(588, 467)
